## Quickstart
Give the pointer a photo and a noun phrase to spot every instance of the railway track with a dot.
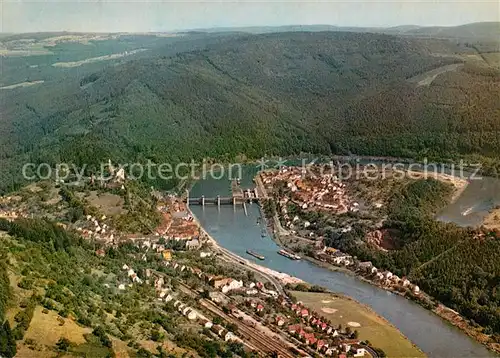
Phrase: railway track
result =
(265, 343)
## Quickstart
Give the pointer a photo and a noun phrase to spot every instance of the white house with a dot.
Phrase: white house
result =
(190, 314)
(232, 285)
(358, 351)
(193, 244)
(229, 336)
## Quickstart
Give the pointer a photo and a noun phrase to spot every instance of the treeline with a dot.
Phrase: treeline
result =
(7, 342)
(52, 236)
(5, 291)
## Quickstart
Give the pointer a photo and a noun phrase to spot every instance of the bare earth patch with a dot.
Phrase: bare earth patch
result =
(354, 324)
(326, 301)
(22, 84)
(120, 348)
(108, 204)
(329, 310)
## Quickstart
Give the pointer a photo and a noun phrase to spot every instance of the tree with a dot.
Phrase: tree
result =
(156, 335)
(101, 334)
(7, 342)
(63, 344)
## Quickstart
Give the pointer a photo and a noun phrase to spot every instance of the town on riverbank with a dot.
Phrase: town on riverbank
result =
(150, 251)
(350, 225)
(156, 236)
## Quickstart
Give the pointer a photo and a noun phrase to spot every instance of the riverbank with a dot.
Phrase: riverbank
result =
(280, 236)
(445, 313)
(492, 221)
(348, 312)
(281, 276)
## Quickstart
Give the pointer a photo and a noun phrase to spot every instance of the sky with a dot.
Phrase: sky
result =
(165, 15)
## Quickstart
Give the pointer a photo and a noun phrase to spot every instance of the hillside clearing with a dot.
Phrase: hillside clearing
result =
(45, 329)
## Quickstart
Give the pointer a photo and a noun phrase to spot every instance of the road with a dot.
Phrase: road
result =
(238, 261)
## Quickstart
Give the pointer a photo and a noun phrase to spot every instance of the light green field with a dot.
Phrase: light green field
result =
(348, 312)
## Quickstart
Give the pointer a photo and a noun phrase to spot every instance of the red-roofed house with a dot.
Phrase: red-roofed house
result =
(282, 301)
(304, 313)
(310, 339)
(294, 328)
(320, 344)
(280, 321)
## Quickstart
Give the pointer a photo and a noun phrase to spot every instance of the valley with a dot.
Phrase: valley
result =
(255, 94)
(100, 258)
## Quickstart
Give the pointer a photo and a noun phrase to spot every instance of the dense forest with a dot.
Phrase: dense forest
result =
(7, 341)
(458, 266)
(281, 94)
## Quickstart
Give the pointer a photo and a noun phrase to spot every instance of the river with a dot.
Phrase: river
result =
(238, 232)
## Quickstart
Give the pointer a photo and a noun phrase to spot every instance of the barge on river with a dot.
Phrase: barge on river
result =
(288, 254)
(254, 254)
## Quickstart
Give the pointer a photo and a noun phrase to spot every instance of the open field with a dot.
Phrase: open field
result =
(108, 204)
(22, 84)
(349, 313)
(45, 329)
(493, 58)
(96, 59)
(425, 79)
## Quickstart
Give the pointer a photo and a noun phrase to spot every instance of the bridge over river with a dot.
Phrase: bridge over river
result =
(238, 233)
(238, 196)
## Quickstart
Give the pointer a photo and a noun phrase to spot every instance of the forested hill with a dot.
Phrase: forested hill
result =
(276, 93)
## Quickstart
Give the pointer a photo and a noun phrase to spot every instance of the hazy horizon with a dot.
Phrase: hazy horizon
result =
(168, 16)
